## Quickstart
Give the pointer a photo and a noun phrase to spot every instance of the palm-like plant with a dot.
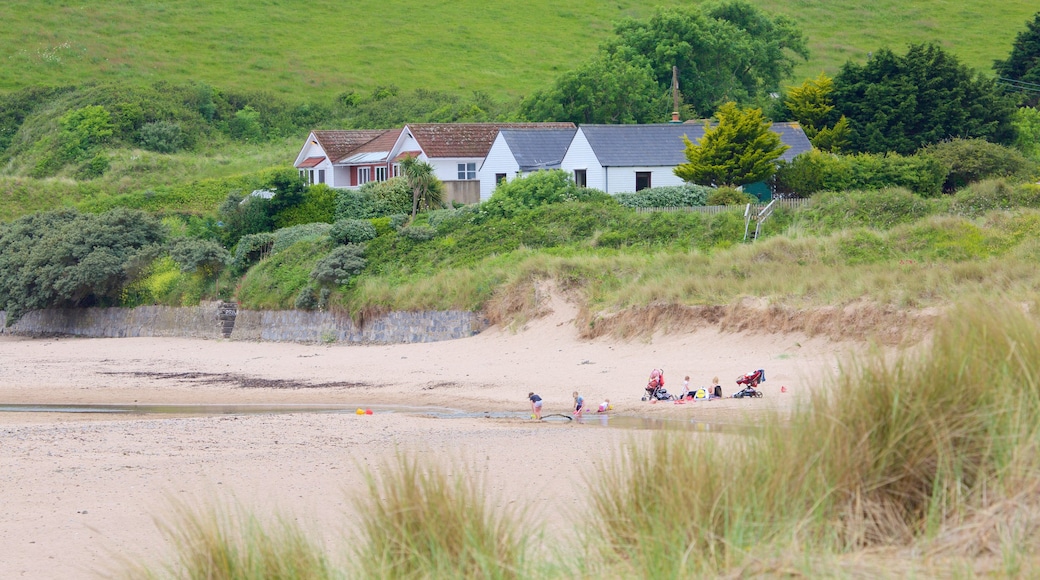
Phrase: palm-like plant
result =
(427, 190)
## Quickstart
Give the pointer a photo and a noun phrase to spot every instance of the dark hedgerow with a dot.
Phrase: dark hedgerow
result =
(352, 231)
(340, 265)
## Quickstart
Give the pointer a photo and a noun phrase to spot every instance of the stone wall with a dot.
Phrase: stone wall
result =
(283, 326)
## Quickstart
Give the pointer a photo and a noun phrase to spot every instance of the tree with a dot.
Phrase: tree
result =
(64, 258)
(609, 89)
(729, 51)
(1023, 64)
(740, 149)
(427, 190)
(810, 104)
(902, 102)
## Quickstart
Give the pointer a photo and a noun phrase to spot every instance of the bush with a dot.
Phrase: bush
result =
(536, 189)
(881, 209)
(286, 237)
(671, 196)
(730, 196)
(418, 233)
(970, 160)
(94, 168)
(161, 137)
(979, 198)
(812, 172)
(352, 231)
(354, 205)
(251, 249)
(194, 255)
(318, 204)
(388, 197)
(340, 265)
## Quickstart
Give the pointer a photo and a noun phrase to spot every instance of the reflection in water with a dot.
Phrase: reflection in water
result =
(595, 419)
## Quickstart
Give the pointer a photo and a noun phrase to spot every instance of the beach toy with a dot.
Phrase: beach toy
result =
(368, 411)
(783, 389)
(360, 411)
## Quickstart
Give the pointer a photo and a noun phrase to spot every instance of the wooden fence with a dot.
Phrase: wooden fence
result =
(714, 209)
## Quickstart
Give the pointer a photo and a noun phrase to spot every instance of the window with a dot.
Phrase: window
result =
(500, 178)
(581, 178)
(310, 178)
(321, 176)
(467, 170)
(303, 174)
(380, 173)
(642, 180)
(364, 175)
(397, 169)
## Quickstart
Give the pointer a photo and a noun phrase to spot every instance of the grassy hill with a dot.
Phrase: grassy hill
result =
(325, 47)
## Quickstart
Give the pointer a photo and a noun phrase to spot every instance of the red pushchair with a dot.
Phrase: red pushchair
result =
(750, 382)
(655, 390)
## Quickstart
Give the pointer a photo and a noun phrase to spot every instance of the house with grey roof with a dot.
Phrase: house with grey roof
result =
(518, 152)
(627, 158)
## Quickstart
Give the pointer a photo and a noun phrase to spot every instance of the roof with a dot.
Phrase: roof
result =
(310, 162)
(540, 148)
(467, 139)
(662, 144)
(339, 144)
(374, 151)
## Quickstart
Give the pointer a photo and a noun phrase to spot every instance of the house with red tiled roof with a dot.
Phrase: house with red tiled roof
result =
(349, 159)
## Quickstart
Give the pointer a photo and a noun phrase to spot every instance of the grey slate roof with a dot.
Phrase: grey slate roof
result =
(662, 144)
(539, 148)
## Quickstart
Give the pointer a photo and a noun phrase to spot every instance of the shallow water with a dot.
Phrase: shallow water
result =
(202, 410)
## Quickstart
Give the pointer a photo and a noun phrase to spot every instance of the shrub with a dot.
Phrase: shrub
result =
(354, 205)
(418, 233)
(729, 196)
(340, 265)
(538, 188)
(352, 231)
(96, 167)
(881, 209)
(161, 137)
(812, 172)
(318, 204)
(671, 196)
(970, 160)
(388, 197)
(398, 220)
(250, 249)
(286, 237)
(195, 255)
(245, 125)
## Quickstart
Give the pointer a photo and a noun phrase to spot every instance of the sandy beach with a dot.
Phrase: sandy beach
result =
(84, 490)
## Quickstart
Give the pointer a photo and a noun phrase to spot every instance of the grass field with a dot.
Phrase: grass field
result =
(322, 48)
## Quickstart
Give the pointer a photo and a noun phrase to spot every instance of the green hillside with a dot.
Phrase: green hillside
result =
(323, 47)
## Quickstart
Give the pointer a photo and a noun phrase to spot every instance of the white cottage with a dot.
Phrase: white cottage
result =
(518, 152)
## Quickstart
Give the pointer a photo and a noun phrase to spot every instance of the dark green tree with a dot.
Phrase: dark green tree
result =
(729, 51)
(903, 102)
(64, 258)
(609, 89)
(740, 149)
(1023, 64)
(427, 190)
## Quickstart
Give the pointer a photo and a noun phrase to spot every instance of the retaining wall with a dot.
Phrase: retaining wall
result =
(203, 321)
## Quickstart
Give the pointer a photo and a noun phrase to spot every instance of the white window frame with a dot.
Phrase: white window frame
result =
(397, 170)
(381, 173)
(467, 171)
(364, 175)
(321, 176)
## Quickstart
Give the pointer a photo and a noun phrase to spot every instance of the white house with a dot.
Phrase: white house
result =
(331, 156)
(518, 152)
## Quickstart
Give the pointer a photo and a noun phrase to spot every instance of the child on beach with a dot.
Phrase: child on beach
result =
(579, 403)
(685, 387)
(536, 405)
(604, 406)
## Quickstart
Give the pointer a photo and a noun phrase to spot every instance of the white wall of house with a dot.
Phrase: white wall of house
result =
(580, 156)
(447, 168)
(500, 159)
(623, 179)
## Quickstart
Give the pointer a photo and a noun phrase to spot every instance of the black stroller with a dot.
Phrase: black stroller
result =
(750, 381)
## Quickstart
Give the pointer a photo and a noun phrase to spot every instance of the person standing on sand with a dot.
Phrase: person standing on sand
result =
(579, 404)
(536, 405)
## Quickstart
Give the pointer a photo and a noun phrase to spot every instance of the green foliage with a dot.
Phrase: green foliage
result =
(815, 171)
(161, 137)
(391, 109)
(861, 246)
(318, 204)
(729, 196)
(609, 89)
(1026, 122)
(194, 255)
(882, 209)
(427, 190)
(728, 51)
(418, 233)
(251, 248)
(96, 167)
(671, 196)
(352, 231)
(245, 125)
(65, 259)
(982, 197)
(902, 102)
(244, 216)
(812, 106)
(536, 189)
(354, 205)
(1023, 64)
(285, 237)
(740, 149)
(340, 265)
(971, 160)
(388, 197)
(276, 282)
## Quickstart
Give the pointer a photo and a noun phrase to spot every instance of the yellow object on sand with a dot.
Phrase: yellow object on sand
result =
(360, 411)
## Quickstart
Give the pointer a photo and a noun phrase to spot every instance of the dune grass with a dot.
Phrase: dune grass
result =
(465, 46)
(918, 453)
